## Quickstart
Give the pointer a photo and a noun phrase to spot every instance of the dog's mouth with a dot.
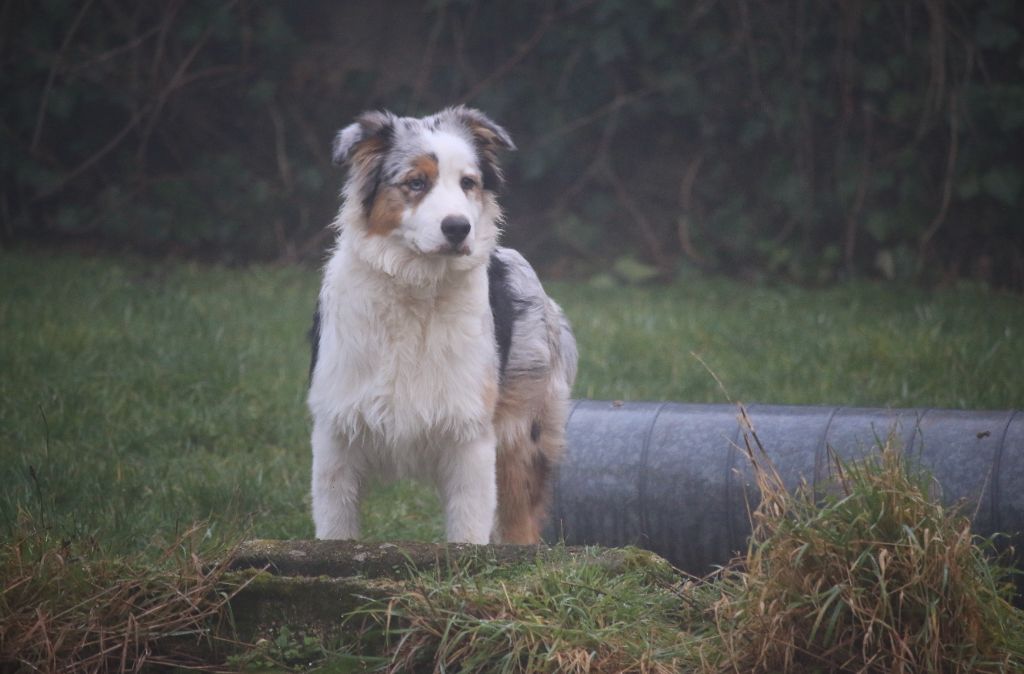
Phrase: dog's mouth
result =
(457, 250)
(443, 250)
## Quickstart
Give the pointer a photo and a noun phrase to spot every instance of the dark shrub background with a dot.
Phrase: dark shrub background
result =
(804, 140)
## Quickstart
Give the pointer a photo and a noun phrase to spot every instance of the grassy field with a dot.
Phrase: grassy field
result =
(137, 397)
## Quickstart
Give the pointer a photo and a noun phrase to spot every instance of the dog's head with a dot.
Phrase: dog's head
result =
(427, 185)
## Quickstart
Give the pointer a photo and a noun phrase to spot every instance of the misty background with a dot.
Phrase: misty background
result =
(799, 140)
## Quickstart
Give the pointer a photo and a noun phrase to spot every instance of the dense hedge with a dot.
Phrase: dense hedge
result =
(804, 139)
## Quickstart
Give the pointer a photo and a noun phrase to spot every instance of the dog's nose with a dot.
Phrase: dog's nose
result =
(455, 228)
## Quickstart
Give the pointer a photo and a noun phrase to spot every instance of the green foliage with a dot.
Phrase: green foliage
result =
(118, 114)
(810, 141)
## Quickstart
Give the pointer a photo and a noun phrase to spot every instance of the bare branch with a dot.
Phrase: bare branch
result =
(547, 20)
(688, 209)
(40, 115)
(947, 182)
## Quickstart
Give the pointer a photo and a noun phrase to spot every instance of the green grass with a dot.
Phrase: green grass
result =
(137, 397)
(861, 344)
(574, 614)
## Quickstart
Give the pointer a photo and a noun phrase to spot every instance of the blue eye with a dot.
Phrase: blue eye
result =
(416, 184)
(468, 183)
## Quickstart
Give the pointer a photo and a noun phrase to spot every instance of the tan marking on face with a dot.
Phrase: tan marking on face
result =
(386, 214)
(425, 165)
(424, 169)
(393, 200)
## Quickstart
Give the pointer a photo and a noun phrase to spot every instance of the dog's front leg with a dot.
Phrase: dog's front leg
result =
(469, 490)
(336, 478)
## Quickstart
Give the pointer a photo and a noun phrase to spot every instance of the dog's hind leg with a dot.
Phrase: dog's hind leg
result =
(526, 461)
(468, 490)
(336, 478)
(521, 486)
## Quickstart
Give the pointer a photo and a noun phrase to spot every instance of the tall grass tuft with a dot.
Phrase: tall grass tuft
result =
(72, 607)
(877, 578)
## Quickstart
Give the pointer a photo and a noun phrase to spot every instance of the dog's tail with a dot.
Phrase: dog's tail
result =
(566, 353)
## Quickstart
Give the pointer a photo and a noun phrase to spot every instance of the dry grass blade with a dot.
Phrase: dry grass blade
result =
(774, 501)
(68, 608)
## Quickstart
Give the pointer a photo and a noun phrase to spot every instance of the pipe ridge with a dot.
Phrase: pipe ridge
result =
(997, 463)
(918, 433)
(937, 490)
(730, 462)
(559, 514)
(641, 487)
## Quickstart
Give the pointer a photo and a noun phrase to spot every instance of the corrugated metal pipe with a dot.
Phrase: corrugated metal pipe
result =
(671, 477)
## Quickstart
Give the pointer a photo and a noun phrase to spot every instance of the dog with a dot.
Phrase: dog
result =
(437, 354)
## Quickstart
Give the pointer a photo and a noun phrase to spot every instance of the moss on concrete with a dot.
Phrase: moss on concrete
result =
(317, 604)
(345, 559)
(312, 585)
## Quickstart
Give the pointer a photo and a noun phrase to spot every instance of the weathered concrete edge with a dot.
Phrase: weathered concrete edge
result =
(401, 559)
(314, 586)
(266, 602)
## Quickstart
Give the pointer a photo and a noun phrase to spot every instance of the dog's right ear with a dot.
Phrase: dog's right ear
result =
(369, 136)
(361, 146)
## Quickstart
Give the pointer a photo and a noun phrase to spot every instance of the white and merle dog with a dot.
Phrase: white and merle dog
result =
(436, 353)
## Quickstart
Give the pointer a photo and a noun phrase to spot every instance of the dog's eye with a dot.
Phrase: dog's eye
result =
(416, 184)
(468, 183)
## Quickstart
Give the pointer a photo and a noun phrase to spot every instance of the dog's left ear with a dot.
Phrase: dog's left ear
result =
(372, 128)
(489, 139)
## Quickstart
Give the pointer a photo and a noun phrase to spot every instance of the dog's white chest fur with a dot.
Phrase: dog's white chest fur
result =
(405, 369)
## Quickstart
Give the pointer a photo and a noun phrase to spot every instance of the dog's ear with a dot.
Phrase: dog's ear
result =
(361, 146)
(484, 130)
(369, 135)
(489, 139)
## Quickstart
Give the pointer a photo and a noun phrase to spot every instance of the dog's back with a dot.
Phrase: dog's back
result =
(538, 366)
